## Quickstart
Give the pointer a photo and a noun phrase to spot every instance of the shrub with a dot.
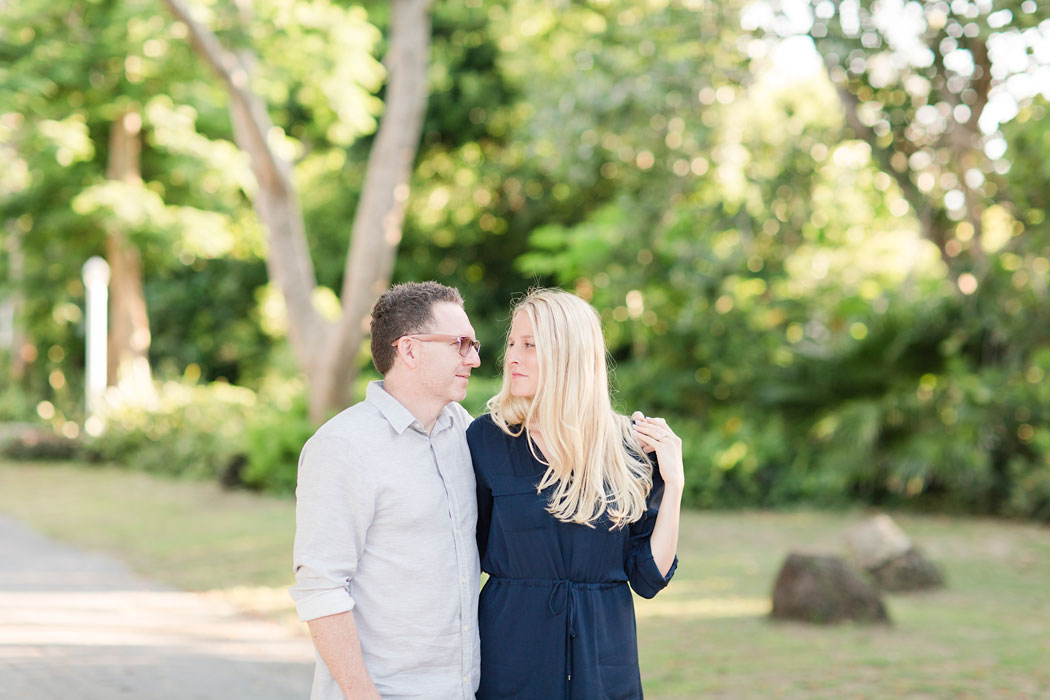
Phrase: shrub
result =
(192, 430)
(274, 437)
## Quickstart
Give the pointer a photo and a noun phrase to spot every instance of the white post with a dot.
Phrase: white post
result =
(96, 281)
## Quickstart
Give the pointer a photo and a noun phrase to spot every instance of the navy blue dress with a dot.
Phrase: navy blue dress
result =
(556, 616)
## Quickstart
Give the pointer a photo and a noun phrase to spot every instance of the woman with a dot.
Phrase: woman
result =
(571, 511)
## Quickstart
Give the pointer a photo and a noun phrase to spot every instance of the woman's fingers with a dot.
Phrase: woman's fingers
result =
(644, 439)
(658, 434)
(654, 433)
(651, 428)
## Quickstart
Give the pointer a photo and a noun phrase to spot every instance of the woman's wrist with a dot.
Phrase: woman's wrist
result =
(673, 489)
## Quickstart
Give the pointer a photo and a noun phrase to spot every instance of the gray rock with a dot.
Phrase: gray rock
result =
(881, 548)
(911, 571)
(876, 541)
(822, 590)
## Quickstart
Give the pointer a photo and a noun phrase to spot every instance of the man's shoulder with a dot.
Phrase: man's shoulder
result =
(351, 423)
(356, 417)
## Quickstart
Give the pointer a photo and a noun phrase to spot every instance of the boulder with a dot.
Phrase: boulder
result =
(911, 571)
(882, 549)
(824, 589)
(876, 541)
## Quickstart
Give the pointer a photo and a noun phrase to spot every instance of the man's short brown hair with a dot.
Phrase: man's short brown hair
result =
(402, 310)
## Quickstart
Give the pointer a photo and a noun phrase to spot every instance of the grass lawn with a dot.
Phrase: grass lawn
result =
(707, 636)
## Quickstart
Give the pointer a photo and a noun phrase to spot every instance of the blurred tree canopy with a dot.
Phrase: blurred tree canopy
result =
(815, 231)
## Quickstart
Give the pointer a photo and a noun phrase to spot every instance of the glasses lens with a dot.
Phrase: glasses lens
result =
(465, 344)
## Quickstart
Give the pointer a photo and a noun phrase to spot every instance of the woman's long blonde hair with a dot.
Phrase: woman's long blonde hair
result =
(594, 460)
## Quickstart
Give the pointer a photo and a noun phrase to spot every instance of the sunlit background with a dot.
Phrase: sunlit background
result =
(816, 234)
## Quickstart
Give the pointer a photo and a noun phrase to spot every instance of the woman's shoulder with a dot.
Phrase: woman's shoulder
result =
(491, 449)
(484, 429)
(481, 425)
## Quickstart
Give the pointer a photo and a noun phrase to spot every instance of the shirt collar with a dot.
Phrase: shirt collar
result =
(397, 415)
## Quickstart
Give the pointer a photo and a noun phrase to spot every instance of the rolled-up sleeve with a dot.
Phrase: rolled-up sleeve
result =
(334, 508)
(642, 571)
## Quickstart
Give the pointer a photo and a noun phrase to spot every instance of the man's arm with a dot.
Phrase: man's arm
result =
(335, 637)
(334, 508)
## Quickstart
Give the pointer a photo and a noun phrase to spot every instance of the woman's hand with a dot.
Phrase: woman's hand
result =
(656, 436)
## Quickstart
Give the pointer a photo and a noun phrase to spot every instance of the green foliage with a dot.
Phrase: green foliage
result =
(212, 431)
(15, 404)
(193, 430)
(272, 444)
(781, 289)
(206, 302)
(955, 440)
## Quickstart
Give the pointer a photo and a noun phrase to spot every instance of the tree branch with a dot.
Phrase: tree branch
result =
(982, 85)
(380, 213)
(236, 76)
(276, 202)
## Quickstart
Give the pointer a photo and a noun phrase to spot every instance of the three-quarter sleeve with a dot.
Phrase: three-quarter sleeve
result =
(334, 508)
(642, 571)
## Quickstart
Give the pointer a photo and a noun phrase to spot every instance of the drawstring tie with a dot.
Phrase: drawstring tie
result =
(563, 595)
(563, 599)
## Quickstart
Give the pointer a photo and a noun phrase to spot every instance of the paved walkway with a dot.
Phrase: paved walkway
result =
(74, 624)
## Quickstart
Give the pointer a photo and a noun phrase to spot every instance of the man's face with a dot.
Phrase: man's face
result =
(443, 372)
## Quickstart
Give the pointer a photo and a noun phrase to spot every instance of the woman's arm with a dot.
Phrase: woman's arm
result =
(656, 436)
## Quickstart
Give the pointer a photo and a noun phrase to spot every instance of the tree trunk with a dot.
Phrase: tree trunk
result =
(18, 342)
(129, 337)
(326, 351)
(381, 211)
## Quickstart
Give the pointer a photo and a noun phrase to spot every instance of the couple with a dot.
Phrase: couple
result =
(563, 502)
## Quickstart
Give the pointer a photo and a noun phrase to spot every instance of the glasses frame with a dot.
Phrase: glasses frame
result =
(465, 342)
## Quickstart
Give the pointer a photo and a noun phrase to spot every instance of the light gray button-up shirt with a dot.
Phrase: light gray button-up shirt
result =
(385, 519)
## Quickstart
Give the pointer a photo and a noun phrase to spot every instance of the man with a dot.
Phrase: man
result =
(386, 563)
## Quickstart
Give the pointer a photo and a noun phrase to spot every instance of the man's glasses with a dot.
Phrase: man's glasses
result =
(465, 342)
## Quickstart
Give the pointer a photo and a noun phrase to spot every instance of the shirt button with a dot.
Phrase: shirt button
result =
(466, 628)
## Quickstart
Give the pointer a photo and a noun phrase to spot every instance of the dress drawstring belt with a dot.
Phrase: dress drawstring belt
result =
(568, 604)
(563, 598)
(568, 600)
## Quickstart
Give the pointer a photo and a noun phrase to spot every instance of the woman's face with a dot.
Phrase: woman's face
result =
(521, 362)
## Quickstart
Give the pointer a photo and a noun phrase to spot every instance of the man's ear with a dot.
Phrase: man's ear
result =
(408, 352)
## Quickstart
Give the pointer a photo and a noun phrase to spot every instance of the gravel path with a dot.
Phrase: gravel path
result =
(76, 624)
